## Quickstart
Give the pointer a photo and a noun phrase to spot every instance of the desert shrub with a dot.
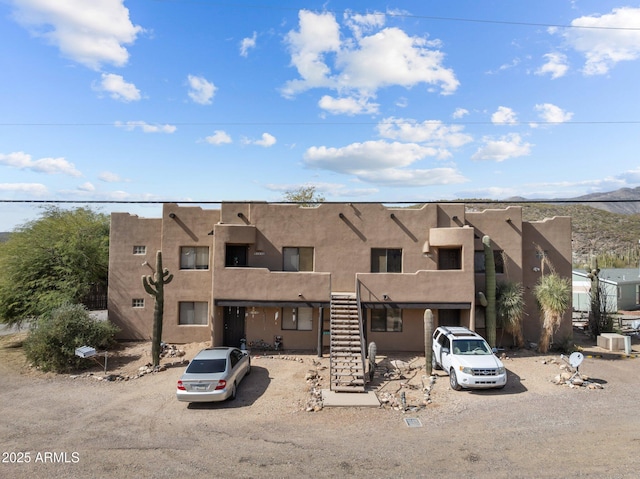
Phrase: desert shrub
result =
(52, 343)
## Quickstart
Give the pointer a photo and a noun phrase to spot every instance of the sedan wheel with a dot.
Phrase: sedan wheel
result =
(233, 392)
(453, 380)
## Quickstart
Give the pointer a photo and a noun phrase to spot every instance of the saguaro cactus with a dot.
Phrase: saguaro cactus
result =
(154, 285)
(490, 287)
(428, 341)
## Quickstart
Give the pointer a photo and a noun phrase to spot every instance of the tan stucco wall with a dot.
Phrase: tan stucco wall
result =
(342, 236)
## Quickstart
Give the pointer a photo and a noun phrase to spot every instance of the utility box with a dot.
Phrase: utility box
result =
(611, 341)
(85, 351)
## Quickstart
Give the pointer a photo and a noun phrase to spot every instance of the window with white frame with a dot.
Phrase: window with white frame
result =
(386, 320)
(137, 302)
(297, 259)
(194, 312)
(298, 319)
(139, 249)
(194, 257)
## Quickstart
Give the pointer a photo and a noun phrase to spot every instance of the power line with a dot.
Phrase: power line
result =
(391, 202)
(404, 14)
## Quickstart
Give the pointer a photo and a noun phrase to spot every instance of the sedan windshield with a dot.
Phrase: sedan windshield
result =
(207, 366)
(471, 346)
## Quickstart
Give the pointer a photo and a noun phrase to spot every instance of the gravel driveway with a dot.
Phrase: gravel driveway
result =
(61, 426)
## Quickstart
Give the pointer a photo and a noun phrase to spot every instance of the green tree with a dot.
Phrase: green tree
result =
(554, 297)
(52, 343)
(510, 309)
(306, 195)
(54, 260)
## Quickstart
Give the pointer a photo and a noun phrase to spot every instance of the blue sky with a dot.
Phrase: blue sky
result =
(113, 100)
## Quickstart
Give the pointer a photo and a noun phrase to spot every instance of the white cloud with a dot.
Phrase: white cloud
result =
(370, 155)
(430, 132)
(362, 63)
(118, 88)
(318, 35)
(266, 140)
(33, 189)
(92, 33)
(201, 91)
(504, 116)
(50, 166)
(248, 43)
(146, 127)
(109, 177)
(347, 105)
(459, 113)
(409, 178)
(612, 42)
(88, 187)
(556, 65)
(383, 163)
(509, 146)
(363, 23)
(219, 137)
(552, 113)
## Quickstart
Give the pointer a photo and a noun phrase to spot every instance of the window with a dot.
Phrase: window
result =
(194, 312)
(137, 303)
(298, 319)
(194, 257)
(386, 320)
(385, 260)
(498, 258)
(449, 258)
(138, 249)
(236, 255)
(297, 259)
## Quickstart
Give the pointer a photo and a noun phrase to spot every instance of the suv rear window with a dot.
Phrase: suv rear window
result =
(207, 366)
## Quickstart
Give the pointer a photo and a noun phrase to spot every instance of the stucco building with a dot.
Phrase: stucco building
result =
(257, 271)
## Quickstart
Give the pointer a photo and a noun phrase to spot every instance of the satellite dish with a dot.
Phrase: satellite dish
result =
(576, 359)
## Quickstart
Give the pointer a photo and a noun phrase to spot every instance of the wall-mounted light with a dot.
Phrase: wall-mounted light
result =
(210, 233)
(454, 218)
(385, 297)
(299, 295)
(508, 220)
(426, 249)
(536, 269)
(240, 215)
(392, 216)
(341, 216)
(172, 216)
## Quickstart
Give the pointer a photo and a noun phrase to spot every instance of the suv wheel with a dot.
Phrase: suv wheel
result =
(434, 362)
(453, 380)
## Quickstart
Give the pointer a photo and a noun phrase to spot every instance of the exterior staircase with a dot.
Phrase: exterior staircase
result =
(347, 356)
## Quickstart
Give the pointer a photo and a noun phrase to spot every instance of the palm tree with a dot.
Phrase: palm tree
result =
(510, 309)
(554, 297)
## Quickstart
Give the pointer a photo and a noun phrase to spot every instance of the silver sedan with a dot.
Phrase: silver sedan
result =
(213, 375)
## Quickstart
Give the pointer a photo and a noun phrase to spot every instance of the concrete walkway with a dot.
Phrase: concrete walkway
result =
(334, 399)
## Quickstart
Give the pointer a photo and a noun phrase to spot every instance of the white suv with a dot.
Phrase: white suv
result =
(467, 358)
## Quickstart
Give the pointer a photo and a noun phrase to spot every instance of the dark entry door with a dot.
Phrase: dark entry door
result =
(233, 325)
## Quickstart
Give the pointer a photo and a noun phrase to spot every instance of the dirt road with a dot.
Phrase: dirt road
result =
(60, 426)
